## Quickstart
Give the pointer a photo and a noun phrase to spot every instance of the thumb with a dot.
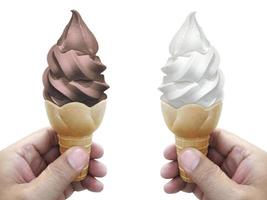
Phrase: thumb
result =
(52, 182)
(210, 179)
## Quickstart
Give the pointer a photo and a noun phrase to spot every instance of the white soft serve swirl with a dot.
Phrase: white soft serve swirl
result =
(192, 74)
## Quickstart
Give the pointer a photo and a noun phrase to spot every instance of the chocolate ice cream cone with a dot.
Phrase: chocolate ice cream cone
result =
(74, 87)
(74, 124)
(192, 125)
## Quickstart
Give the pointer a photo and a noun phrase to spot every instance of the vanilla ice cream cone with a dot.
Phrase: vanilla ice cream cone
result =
(74, 124)
(192, 125)
(192, 88)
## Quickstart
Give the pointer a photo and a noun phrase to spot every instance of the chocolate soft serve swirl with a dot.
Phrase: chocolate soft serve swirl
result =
(74, 73)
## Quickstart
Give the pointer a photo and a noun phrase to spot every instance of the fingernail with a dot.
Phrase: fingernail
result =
(77, 159)
(189, 160)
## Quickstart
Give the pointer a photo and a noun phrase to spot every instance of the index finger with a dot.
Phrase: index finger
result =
(224, 141)
(170, 152)
(221, 140)
(42, 140)
(96, 151)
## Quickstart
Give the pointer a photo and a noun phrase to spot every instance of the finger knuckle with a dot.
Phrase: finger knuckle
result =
(209, 172)
(240, 195)
(56, 171)
(24, 194)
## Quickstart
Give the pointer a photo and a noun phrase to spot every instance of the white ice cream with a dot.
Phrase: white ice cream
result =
(192, 74)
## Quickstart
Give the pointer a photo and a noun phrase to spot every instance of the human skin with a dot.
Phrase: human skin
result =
(33, 169)
(234, 170)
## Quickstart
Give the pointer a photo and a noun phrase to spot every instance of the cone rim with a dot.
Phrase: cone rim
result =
(194, 104)
(75, 103)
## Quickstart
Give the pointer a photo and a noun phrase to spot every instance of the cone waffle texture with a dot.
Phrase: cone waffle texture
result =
(192, 125)
(74, 124)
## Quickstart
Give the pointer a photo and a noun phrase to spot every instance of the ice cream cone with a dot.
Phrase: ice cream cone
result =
(192, 125)
(74, 124)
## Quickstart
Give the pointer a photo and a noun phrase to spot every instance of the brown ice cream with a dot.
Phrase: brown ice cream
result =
(74, 71)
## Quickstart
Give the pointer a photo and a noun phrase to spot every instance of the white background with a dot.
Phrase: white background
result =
(133, 37)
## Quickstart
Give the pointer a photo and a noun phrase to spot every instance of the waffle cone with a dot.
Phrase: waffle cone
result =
(74, 124)
(192, 125)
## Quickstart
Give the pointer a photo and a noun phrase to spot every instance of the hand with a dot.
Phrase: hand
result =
(236, 170)
(33, 169)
